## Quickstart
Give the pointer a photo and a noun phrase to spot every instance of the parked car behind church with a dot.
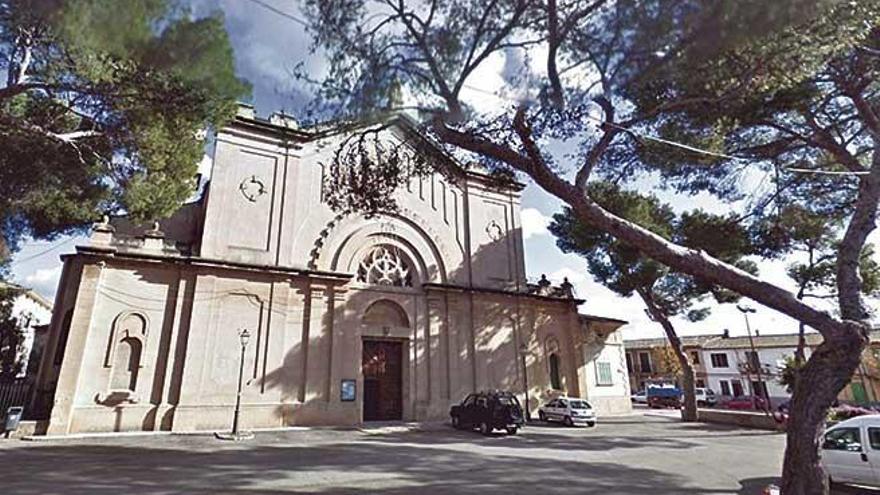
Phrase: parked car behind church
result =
(664, 397)
(488, 411)
(570, 411)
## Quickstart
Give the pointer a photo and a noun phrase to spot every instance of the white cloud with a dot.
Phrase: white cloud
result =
(484, 84)
(206, 165)
(534, 223)
(577, 278)
(44, 281)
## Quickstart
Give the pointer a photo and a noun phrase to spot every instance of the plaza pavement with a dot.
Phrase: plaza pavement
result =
(635, 454)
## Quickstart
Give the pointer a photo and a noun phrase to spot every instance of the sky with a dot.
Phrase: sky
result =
(269, 45)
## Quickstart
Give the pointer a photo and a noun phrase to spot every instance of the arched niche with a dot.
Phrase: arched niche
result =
(554, 363)
(385, 313)
(555, 373)
(126, 364)
(125, 350)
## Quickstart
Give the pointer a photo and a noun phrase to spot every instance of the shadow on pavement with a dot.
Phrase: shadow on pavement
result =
(358, 466)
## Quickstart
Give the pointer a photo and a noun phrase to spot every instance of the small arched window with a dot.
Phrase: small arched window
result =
(555, 379)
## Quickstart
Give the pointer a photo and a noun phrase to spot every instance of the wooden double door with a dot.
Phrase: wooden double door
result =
(382, 366)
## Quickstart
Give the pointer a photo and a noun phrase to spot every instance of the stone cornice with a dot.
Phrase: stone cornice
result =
(197, 261)
(502, 292)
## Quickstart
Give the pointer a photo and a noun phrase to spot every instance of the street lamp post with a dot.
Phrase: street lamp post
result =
(745, 310)
(523, 349)
(243, 337)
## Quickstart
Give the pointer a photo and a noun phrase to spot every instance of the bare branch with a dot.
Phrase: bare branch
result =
(867, 113)
(824, 139)
(492, 45)
(689, 261)
(554, 40)
(448, 95)
(524, 131)
(609, 131)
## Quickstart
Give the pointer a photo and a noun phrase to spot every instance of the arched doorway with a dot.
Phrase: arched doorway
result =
(382, 364)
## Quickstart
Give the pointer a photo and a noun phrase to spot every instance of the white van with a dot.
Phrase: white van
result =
(851, 451)
(705, 397)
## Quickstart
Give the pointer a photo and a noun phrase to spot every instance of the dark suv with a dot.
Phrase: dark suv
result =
(489, 411)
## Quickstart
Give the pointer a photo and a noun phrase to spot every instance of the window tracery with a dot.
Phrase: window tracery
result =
(384, 265)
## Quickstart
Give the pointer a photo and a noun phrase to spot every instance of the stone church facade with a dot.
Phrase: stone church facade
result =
(351, 319)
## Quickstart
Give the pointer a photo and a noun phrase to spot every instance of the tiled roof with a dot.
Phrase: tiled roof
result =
(739, 342)
(601, 319)
(29, 293)
(782, 340)
(687, 341)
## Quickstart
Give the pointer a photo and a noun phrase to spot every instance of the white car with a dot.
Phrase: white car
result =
(851, 451)
(640, 397)
(705, 397)
(570, 411)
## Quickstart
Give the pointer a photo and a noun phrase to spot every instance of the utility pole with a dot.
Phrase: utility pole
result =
(745, 310)
(523, 349)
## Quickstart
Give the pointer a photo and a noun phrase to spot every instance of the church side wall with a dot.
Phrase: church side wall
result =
(605, 346)
(113, 373)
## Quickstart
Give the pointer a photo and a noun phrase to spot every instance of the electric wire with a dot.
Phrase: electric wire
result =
(668, 142)
(48, 250)
(280, 12)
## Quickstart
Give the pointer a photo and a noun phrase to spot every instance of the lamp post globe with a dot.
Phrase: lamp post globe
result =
(744, 309)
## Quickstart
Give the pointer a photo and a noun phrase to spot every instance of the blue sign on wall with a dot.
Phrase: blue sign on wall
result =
(348, 390)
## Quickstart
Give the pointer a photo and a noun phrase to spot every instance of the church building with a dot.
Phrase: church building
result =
(331, 318)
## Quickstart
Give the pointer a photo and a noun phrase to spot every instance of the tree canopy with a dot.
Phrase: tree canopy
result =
(104, 108)
(626, 270)
(665, 293)
(760, 104)
(11, 335)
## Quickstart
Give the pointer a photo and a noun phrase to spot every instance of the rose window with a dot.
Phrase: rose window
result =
(384, 266)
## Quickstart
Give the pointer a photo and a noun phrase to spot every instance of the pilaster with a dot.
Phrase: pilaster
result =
(437, 349)
(71, 367)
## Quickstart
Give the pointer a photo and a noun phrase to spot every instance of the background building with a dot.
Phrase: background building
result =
(652, 361)
(33, 313)
(729, 365)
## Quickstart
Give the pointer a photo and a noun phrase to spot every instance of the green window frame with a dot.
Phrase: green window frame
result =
(604, 376)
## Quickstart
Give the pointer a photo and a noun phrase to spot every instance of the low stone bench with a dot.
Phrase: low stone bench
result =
(748, 419)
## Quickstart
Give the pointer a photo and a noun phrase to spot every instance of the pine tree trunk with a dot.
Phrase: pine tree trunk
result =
(820, 380)
(689, 412)
(799, 353)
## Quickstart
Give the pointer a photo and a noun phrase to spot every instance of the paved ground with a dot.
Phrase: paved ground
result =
(627, 455)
